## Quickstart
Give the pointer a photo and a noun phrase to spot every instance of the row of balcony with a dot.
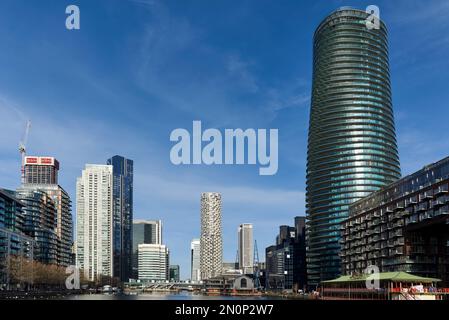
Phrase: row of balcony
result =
(396, 244)
(413, 200)
(393, 257)
(365, 237)
(360, 231)
(427, 214)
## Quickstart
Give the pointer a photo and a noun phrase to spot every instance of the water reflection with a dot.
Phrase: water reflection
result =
(160, 296)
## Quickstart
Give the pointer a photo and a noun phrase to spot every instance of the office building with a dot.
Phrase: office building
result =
(195, 274)
(352, 149)
(13, 242)
(174, 273)
(122, 194)
(144, 232)
(285, 262)
(147, 231)
(94, 213)
(211, 242)
(153, 262)
(402, 227)
(246, 248)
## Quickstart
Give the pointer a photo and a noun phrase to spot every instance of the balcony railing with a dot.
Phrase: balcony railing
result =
(388, 209)
(411, 201)
(441, 189)
(422, 207)
(399, 206)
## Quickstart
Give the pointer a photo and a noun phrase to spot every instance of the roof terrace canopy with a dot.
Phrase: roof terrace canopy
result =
(384, 276)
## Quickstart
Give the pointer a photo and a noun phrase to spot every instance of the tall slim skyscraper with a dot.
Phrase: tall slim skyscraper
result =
(144, 232)
(195, 274)
(94, 214)
(211, 242)
(123, 215)
(246, 248)
(352, 149)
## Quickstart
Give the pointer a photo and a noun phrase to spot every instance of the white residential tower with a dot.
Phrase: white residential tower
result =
(94, 219)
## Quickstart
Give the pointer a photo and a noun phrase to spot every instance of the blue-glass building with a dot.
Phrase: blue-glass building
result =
(144, 232)
(40, 223)
(13, 242)
(352, 149)
(122, 216)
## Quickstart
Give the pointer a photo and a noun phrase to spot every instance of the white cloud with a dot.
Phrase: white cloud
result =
(218, 86)
(436, 11)
(188, 192)
(419, 148)
(239, 70)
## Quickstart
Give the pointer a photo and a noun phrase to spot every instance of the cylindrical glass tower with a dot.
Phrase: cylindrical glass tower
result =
(352, 148)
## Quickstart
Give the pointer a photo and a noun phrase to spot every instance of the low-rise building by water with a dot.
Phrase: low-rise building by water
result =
(382, 286)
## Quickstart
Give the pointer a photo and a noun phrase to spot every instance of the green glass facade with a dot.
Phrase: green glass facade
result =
(352, 149)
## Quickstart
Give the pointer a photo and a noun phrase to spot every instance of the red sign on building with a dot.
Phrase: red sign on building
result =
(46, 161)
(49, 161)
(31, 160)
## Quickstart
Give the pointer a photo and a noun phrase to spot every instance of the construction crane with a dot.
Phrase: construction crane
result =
(256, 267)
(22, 148)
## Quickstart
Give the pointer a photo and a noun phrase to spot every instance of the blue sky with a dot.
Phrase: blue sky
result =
(139, 69)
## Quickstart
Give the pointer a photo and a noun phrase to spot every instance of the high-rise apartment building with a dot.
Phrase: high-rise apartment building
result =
(144, 232)
(41, 173)
(211, 242)
(63, 222)
(195, 274)
(41, 170)
(246, 248)
(153, 262)
(123, 215)
(40, 223)
(402, 227)
(13, 241)
(94, 211)
(352, 149)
